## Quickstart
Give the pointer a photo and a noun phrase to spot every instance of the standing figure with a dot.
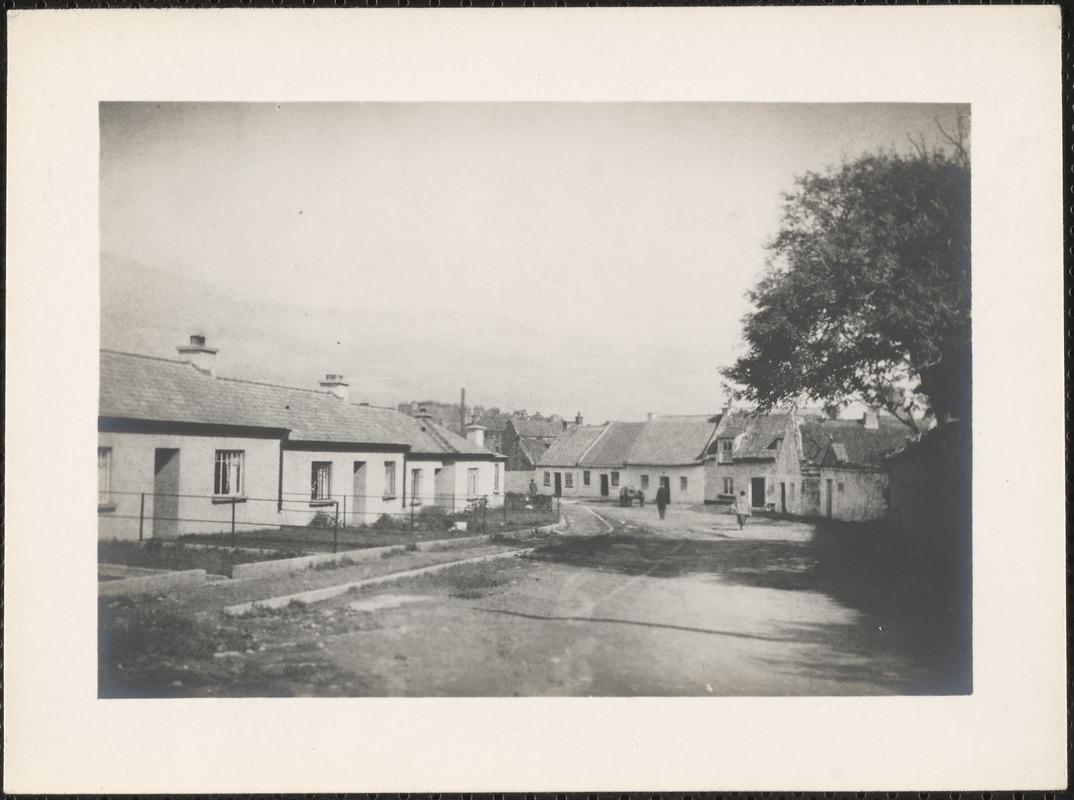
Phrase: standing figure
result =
(533, 488)
(742, 508)
(662, 500)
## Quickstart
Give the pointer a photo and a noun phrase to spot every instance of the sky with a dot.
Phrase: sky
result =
(557, 257)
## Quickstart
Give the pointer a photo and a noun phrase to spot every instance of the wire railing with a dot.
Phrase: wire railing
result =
(314, 522)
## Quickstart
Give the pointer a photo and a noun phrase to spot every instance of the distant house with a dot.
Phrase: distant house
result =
(494, 422)
(597, 461)
(183, 451)
(526, 439)
(803, 463)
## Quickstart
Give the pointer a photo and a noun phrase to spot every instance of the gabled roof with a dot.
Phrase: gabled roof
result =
(664, 441)
(152, 389)
(668, 441)
(850, 443)
(533, 448)
(758, 439)
(543, 428)
(612, 448)
(566, 450)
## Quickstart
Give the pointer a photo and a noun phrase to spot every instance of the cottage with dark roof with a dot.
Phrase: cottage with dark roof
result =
(804, 463)
(598, 461)
(525, 440)
(181, 450)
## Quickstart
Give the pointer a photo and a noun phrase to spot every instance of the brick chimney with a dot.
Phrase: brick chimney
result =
(476, 433)
(870, 420)
(201, 357)
(578, 419)
(337, 386)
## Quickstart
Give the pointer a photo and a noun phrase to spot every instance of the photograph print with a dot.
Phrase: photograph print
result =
(528, 399)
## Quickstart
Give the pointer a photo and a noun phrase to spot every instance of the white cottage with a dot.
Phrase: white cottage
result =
(183, 451)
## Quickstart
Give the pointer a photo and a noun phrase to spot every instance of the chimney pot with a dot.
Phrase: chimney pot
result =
(197, 354)
(335, 384)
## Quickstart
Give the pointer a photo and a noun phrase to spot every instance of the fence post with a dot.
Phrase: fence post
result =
(141, 517)
(335, 531)
(344, 510)
(485, 514)
(233, 524)
(411, 516)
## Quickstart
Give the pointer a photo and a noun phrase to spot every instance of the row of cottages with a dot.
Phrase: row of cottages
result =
(183, 451)
(526, 440)
(804, 463)
(598, 461)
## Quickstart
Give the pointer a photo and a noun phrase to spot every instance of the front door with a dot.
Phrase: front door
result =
(757, 492)
(665, 483)
(783, 498)
(828, 501)
(559, 484)
(357, 509)
(603, 485)
(166, 493)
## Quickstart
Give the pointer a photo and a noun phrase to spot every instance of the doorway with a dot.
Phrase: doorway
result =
(603, 485)
(828, 500)
(166, 493)
(665, 484)
(357, 509)
(559, 484)
(782, 498)
(757, 492)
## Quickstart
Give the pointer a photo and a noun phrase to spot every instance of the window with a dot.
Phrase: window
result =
(471, 482)
(415, 487)
(726, 446)
(548, 479)
(682, 484)
(495, 478)
(585, 477)
(104, 477)
(841, 487)
(779, 444)
(615, 479)
(227, 477)
(728, 485)
(389, 479)
(569, 478)
(321, 480)
(644, 481)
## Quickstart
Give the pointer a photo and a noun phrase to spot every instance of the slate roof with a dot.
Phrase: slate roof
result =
(544, 428)
(160, 390)
(670, 441)
(853, 445)
(533, 448)
(664, 441)
(567, 449)
(758, 440)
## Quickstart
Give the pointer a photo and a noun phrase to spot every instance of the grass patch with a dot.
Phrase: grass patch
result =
(346, 561)
(177, 555)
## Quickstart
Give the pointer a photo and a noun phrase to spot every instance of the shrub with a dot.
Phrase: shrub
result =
(322, 519)
(386, 522)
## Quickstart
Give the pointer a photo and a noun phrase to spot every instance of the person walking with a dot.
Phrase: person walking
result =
(662, 500)
(742, 508)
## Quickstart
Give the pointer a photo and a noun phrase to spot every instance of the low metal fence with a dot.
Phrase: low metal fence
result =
(315, 523)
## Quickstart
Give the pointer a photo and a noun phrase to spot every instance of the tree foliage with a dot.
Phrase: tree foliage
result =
(866, 293)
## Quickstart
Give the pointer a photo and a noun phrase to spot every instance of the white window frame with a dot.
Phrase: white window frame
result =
(496, 478)
(615, 479)
(728, 485)
(568, 480)
(389, 480)
(644, 482)
(320, 480)
(229, 472)
(726, 449)
(473, 481)
(684, 484)
(417, 475)
(548, 479)
(586, 480)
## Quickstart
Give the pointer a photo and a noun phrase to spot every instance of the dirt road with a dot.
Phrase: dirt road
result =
(621, 604)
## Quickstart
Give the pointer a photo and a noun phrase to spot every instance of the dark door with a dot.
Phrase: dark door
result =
(166, 493)
(603, 485)
(756, 492)
(665, 483)
(357, 508)
(783, 498)
(559, 484)
(828, 501)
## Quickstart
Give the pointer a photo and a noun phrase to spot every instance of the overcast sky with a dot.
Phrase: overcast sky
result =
(577, 257)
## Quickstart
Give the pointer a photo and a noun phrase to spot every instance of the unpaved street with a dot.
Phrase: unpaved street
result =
(620, 604)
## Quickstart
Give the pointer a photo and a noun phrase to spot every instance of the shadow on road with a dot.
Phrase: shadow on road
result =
(913, 609)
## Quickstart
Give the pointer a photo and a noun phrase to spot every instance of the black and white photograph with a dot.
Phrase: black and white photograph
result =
(534, 400)
(525, 399)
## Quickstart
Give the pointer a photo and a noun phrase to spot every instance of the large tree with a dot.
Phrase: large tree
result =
(866, 293)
